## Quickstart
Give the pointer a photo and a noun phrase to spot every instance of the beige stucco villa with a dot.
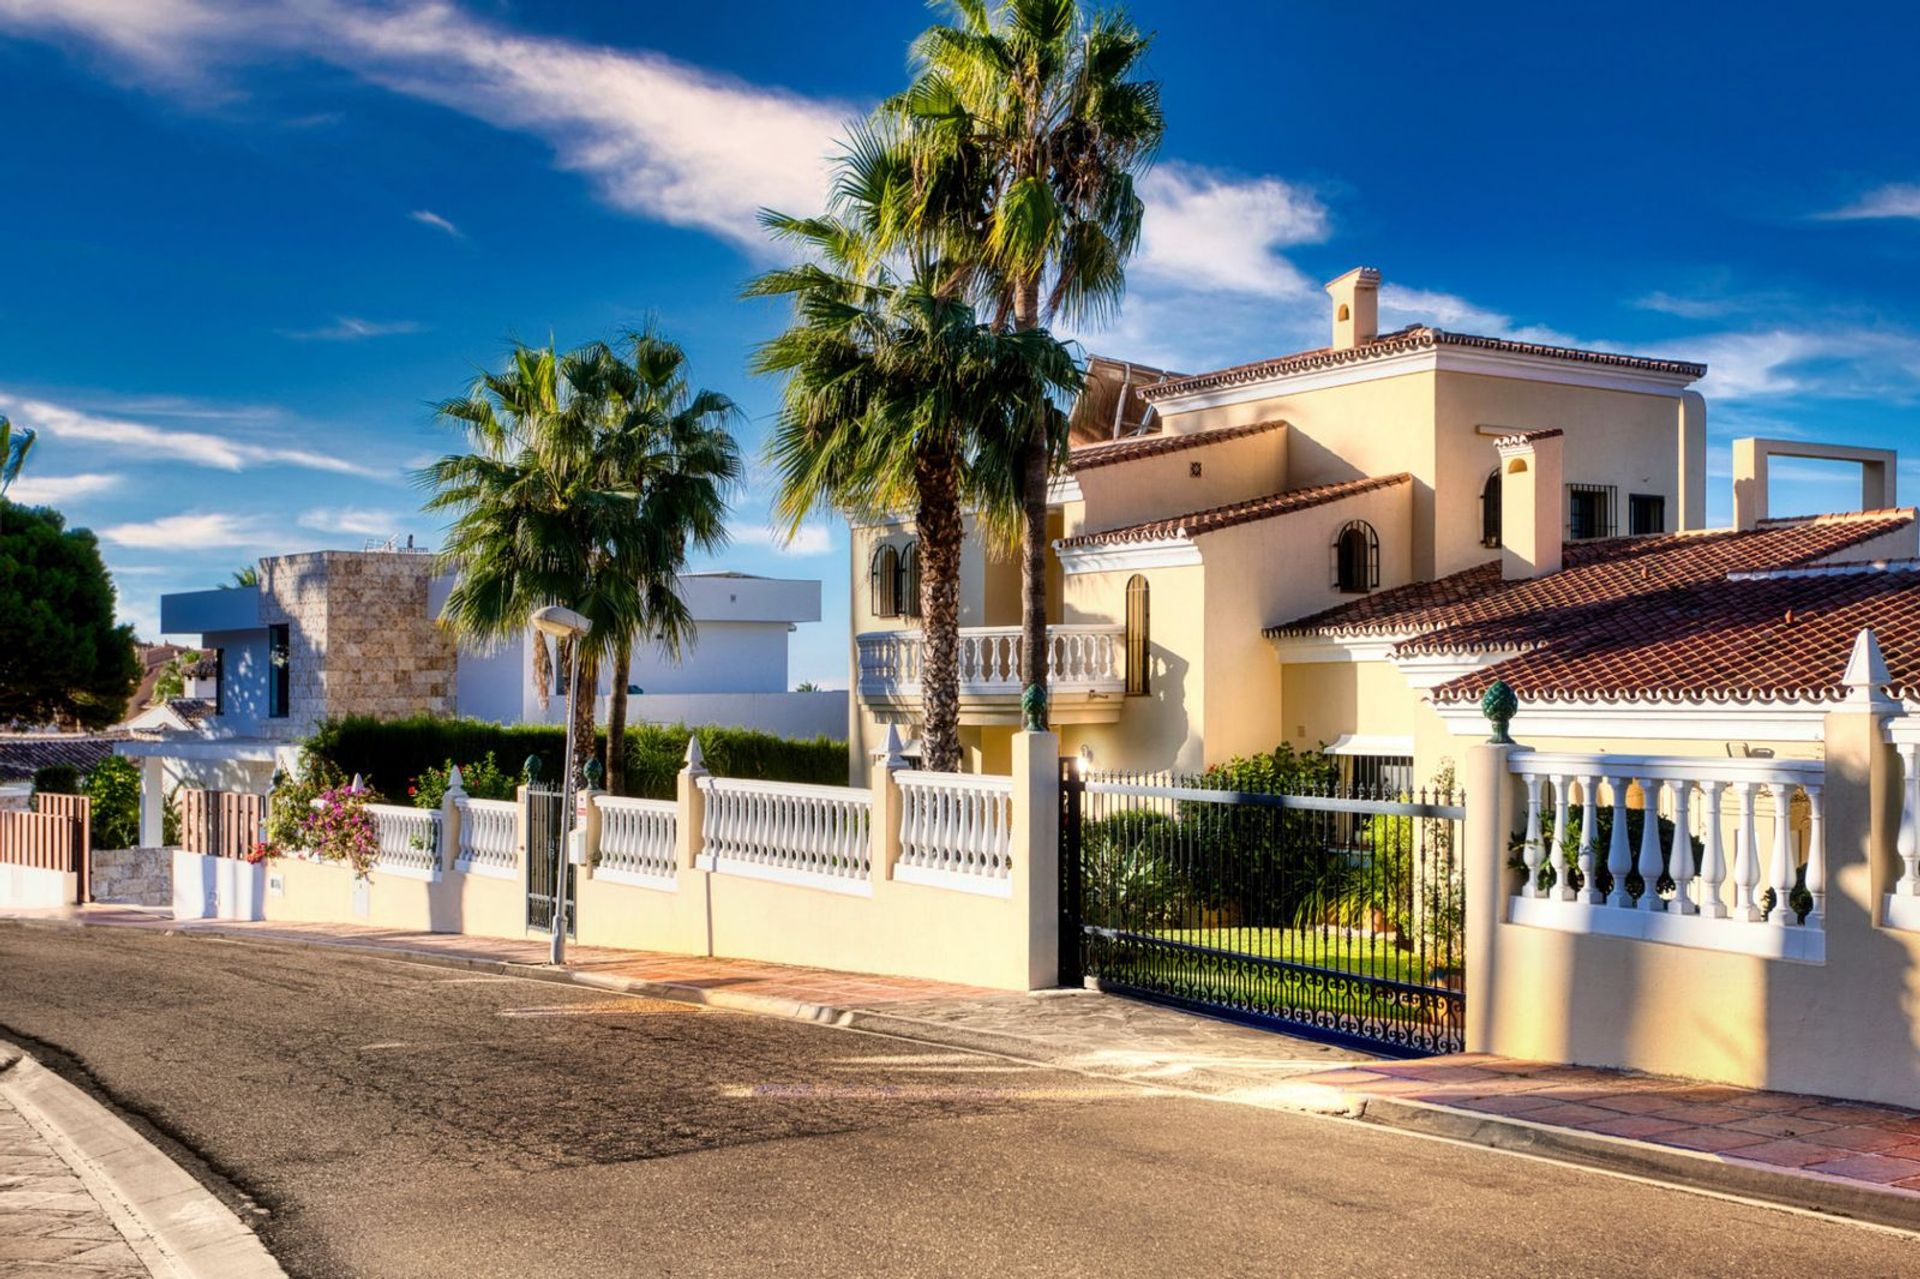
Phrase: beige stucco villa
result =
(1339, 549)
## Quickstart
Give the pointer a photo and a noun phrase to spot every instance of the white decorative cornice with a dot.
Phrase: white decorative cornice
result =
(1121, 557)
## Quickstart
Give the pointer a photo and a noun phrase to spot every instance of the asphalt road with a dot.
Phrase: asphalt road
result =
(390, 1119)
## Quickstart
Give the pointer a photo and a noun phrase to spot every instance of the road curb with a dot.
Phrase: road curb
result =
(197, 1236)
(1693, 1170)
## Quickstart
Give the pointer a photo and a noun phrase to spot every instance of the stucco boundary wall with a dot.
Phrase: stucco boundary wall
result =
(990, 930)
(1846, 1024)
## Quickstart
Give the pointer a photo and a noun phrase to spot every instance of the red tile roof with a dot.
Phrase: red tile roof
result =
(1413, 338)
(1260, 508)
(1087, 457)
(1658, 616)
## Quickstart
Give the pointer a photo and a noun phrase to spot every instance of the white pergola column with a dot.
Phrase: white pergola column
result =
(153, 801)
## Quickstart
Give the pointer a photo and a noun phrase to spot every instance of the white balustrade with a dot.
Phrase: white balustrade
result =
(956, 831)
(1902, 904)
(489, 838)
(637, 841)
(812, 835)
(1675, 888)
(1079, 659)
(409, 840)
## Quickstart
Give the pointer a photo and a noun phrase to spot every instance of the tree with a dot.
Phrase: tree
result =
(14, 447)
(172, 681)
(669, 445)
(897, 396)
(245, 575)
(588, 478)
(62, 656)
(1025, 130)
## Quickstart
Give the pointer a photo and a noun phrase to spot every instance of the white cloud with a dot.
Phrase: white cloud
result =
(207, 530)
(427, 217)
(128, 438)
(1895, 200)
(360, 521)
(52, 490)
(808, 539)
(657, 137)
(1204, 230)
(350, 328)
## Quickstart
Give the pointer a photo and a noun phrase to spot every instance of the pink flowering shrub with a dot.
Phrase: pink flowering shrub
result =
(340, 829)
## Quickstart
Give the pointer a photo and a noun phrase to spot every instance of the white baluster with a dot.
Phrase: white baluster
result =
(1531, 851)
(1746, 856)
(1619, 859)
(1816, 858)
(1562, 884)
(1783, 863)
(1680, 852)
(1713, 866)
(1649, 862)
(1908, 843)
(1589, 835)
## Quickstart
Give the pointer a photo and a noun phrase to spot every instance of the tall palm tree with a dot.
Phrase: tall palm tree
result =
(1025, 127)
(897, 397)
(669, 445)
(586, 480)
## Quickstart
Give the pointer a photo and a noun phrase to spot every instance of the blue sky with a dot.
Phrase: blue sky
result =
(248, 245)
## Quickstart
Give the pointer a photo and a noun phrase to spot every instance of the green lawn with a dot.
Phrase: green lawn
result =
(1373, 956)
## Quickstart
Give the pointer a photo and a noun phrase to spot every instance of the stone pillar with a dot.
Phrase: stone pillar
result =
(692, 807)
(1489, 825)
(153, 802)
(1036, 851)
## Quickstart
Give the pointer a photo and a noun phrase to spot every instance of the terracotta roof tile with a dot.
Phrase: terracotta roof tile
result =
(1087, 457)
(1413, 338)
(1218, 517)
(21, 756)
(1695, 615)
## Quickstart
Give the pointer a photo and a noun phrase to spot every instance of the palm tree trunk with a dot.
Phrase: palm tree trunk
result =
(617, 719)
(585, 691)
(1033, 527)
(938, 518)
(542, 668)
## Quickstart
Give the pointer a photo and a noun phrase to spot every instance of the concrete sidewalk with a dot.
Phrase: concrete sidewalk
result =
(1843, 1158)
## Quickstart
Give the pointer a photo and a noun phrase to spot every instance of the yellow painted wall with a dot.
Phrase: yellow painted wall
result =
(1153, 488)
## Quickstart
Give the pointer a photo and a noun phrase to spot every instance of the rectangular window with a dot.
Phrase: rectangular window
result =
(1646, 513)
(279, 671)
(1589, 511)
(1388, 777)
(219, 681)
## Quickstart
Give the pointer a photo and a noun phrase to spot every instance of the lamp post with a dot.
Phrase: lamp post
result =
(563, 624)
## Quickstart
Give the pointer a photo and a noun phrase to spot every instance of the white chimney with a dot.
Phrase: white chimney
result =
(1356, 307)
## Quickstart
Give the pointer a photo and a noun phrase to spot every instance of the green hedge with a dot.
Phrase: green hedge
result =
(389, 754)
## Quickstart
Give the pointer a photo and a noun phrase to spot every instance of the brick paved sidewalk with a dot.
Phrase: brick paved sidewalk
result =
(1850, 1144)
(50, 1224)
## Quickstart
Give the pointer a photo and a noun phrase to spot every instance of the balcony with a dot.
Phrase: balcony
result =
(1086, 673)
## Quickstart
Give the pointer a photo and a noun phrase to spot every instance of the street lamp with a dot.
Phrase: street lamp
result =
(563, 624)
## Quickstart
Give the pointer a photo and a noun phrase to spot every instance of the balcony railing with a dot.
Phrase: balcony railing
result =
(1080, 660)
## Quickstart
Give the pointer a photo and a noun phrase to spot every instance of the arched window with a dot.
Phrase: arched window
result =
(908, 593)
(1490, 510)
(886, 582)
(1356, 558)
(1138, 661)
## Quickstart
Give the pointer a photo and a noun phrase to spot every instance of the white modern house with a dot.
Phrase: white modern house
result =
(329, 633)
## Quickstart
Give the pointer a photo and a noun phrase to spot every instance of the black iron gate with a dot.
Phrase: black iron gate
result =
(1337, 914)
(546, 854)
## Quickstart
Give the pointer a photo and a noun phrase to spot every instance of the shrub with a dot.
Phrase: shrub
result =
(114, 788)
(1127, 880)
(57, 779)
(482, 779)
(290, 802)
(389, 753)
(341, 829)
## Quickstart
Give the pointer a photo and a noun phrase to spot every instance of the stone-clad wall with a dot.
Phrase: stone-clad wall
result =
(361, 636)
(133, 876)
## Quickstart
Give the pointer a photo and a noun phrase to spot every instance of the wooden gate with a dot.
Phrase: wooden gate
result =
(218, 823)
(56, 835)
